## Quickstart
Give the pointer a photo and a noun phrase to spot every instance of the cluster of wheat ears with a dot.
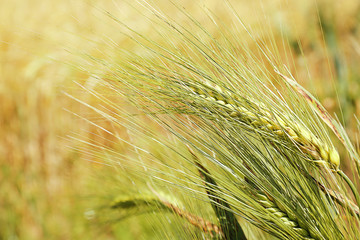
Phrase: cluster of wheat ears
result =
(231, 146)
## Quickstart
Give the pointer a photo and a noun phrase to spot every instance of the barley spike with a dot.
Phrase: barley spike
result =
(308, 143)
(274, 209)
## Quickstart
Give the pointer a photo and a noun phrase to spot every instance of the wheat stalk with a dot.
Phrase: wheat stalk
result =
(231, 228)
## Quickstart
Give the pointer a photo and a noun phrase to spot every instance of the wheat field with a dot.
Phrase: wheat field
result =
(79, 148)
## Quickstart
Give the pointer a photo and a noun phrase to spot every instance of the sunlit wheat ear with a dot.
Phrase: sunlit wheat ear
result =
(260, 118)
(338, 131)
(255, 114)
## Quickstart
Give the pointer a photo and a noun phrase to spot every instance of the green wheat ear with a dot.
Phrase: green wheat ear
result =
(256, 115)
(336, 128)
(146, 204)
(281, 213)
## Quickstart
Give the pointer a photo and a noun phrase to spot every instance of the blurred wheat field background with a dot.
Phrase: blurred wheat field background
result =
(48, 187)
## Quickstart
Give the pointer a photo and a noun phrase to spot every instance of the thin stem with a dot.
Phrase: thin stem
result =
(351, 185)
(340, 199)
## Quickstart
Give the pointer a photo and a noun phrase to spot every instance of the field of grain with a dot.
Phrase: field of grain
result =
(48, 187)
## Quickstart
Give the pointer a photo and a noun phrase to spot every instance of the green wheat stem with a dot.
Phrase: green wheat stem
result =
(351, 185)
(228, 222)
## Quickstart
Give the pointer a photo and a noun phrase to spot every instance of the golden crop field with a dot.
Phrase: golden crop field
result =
(53, 183)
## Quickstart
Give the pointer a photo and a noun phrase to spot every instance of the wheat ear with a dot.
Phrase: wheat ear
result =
(280, 213)
(162, 205)
(258, 117)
